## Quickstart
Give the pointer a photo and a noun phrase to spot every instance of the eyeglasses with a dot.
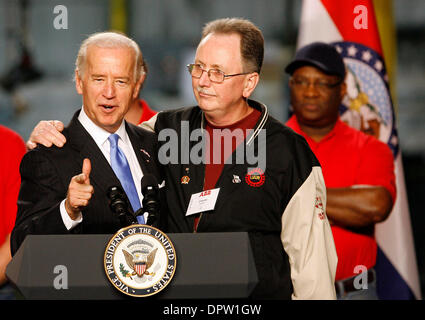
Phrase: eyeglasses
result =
(300, 83)
(215, 75)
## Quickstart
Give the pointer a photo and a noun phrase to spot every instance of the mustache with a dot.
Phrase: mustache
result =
(204, 91)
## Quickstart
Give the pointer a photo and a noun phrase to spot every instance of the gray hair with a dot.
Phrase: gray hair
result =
(252, 40)
(110, 40)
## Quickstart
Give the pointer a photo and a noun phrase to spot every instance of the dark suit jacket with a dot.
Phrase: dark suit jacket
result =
(47, 172)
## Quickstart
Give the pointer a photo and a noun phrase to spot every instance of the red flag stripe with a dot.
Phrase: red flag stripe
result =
(343, 15)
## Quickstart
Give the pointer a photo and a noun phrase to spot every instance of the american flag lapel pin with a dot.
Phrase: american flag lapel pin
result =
(146, 153)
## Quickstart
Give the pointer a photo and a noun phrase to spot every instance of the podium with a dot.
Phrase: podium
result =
(209, 265)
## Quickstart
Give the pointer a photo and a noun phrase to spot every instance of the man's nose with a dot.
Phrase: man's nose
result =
(109, 90)
(311, 90)
(204, 80)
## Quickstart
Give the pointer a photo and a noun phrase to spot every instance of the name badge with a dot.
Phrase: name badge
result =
(202, 201)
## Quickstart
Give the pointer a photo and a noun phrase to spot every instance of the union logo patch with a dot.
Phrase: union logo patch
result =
(185, 180)
(319, 207)
(255, 178)
(140, 260)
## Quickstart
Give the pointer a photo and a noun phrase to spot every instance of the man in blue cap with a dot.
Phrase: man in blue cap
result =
(357, 168)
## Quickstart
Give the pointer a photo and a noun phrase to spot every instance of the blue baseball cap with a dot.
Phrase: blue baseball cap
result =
(320, 55)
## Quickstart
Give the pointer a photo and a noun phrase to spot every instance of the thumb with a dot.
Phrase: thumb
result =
(86, 169)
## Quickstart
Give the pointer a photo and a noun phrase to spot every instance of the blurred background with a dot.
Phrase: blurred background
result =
(38, 47)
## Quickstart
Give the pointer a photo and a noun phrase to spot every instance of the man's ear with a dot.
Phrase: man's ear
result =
(78, 83)
(343, 90)
(250, 84)
(139, 85)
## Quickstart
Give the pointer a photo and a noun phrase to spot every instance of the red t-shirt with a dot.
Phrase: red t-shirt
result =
(13, 149)
(214, 167)
(215, 149)
(350, 157)
(147, 112)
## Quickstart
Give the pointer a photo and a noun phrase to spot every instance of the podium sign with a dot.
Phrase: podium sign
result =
(209, 265)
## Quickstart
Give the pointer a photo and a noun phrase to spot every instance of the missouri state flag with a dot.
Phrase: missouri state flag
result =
(354, 28)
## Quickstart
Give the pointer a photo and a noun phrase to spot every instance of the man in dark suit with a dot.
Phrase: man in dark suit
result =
(64, 190)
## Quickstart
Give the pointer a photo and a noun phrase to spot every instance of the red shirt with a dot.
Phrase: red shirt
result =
(216, 149)
(147, 112)
(12, 150)
(214, 167)
(350, 157)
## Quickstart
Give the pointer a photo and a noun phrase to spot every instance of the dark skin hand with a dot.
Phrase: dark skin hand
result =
(315, 98)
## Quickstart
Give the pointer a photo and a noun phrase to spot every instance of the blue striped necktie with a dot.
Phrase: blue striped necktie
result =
(121, 168)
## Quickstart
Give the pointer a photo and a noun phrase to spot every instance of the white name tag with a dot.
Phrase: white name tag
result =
(202, 201)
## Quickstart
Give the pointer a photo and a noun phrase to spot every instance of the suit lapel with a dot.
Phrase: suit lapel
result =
(102, 176)
(143, 150)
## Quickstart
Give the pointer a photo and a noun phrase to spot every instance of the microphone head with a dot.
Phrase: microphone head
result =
(149, 180)
(150, 200)
(117, 200)
(115, 191)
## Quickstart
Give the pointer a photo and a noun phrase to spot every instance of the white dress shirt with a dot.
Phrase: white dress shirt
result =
(100, 136)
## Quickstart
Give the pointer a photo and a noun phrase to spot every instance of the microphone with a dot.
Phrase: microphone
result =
(118, 204)
(150, 200)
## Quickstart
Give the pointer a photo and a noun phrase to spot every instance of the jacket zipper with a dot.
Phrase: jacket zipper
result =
(195, 229)
(260, 126)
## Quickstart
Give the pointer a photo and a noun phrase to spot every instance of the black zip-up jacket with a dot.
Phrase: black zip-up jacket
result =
(279, 210)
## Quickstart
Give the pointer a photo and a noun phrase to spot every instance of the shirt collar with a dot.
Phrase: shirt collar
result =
(293, 123)
(99, 134)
